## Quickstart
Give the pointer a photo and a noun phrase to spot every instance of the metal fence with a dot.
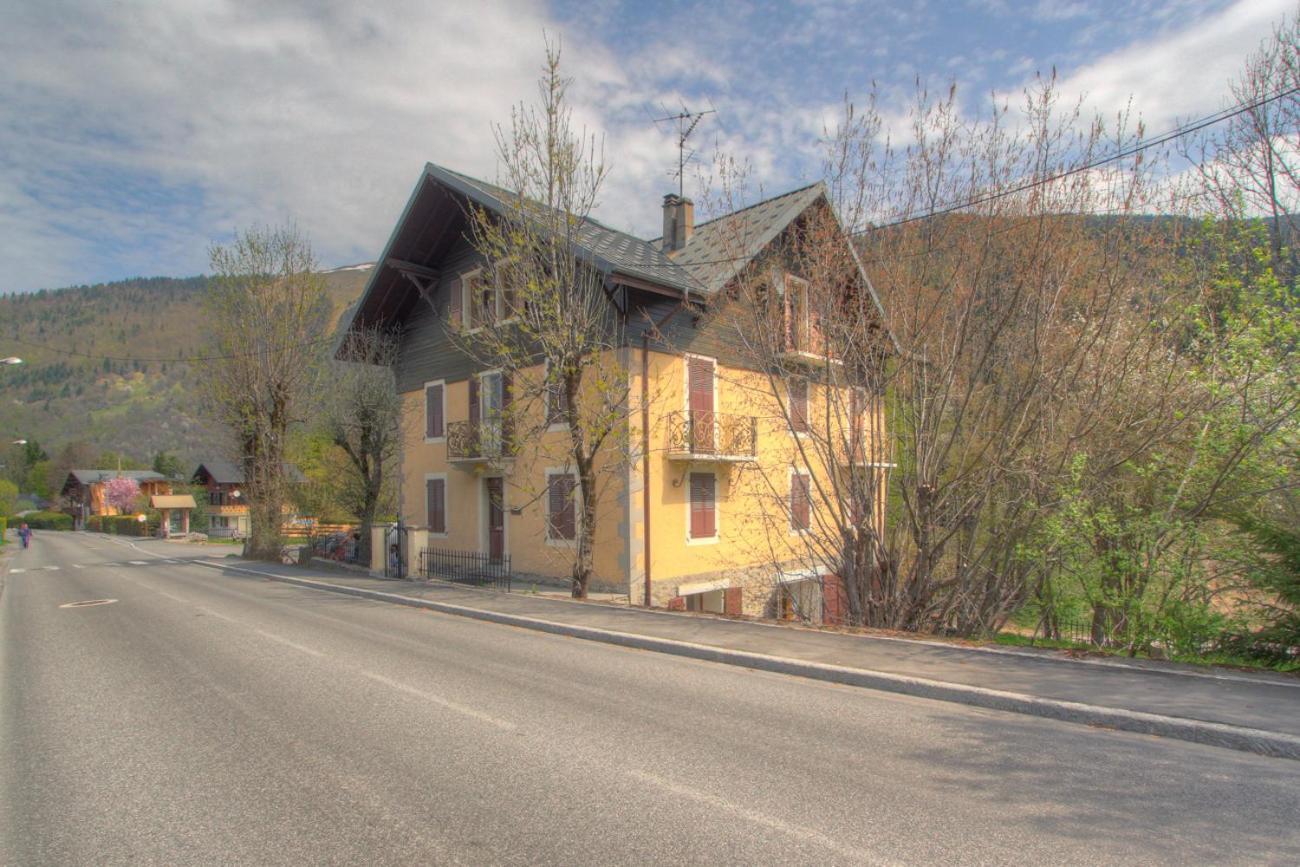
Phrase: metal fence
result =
(466, 567)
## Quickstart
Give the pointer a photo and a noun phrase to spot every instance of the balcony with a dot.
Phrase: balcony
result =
(805, 344)
(478, 443)
(712, 436)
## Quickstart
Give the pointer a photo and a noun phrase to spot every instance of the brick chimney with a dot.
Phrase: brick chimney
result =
(679, 222)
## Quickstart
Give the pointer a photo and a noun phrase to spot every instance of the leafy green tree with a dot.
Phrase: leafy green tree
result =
(8, 497)
(168, 465)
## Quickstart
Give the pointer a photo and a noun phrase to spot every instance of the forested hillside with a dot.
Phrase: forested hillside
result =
(106, 364)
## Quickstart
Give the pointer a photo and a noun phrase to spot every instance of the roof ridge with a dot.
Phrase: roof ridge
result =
(759, 203)
(588, 218)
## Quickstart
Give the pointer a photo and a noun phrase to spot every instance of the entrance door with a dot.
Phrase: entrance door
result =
(699, 376)
(496, 519)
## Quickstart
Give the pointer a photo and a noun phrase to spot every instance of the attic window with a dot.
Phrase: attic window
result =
(488, 300)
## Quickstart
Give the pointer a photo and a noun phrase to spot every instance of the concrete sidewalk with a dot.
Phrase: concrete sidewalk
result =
(1259, 712)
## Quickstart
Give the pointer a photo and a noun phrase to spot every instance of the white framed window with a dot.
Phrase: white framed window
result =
(486, 299)
(798, 315)
(557, 402)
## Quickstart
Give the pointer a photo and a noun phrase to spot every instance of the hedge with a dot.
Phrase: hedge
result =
(44, 520)
(2, 530)
(121, 525)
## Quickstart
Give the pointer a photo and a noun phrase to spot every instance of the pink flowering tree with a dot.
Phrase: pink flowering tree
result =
(121, 493)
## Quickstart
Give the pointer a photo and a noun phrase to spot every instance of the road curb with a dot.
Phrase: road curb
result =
(1274, 744)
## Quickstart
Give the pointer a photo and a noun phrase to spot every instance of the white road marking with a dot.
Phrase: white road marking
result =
(50, 568)
(138, 562)
(77, 566)
(17, 571)
(287, 643)
(440, 701)
(805, 834)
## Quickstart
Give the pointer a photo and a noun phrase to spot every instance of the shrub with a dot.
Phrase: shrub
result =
(46, 521)
(2, 530)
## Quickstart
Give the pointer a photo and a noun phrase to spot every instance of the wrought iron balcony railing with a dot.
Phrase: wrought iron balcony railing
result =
(478, 441)
(712, 436)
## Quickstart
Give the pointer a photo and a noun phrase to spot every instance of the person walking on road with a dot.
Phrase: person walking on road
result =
(25, 534)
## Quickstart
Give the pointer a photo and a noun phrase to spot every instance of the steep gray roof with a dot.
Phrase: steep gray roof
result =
(721, 248)
(612, 251)
(226, 472)
(87, 477)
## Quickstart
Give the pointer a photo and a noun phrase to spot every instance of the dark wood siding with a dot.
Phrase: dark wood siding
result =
(692, 330)
(427, 351)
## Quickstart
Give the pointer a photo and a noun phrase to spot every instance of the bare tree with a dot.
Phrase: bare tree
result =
(362, 415)
(556, 334)
(1250, 165)
(1020, 324)
(266, 311)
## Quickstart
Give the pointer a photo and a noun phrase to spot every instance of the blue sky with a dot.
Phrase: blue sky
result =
(135, 134)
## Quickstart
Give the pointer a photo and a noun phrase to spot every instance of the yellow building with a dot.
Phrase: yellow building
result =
(715, 494)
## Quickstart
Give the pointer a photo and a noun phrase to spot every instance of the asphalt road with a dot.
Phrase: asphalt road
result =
(205, 717)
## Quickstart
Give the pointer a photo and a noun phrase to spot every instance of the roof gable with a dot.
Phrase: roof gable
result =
(718, 251)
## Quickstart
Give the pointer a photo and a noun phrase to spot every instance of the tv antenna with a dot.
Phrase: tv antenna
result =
(686, 121)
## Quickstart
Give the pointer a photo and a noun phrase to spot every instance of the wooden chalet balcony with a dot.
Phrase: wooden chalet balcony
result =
(478, 442)
(805, 344)
(712, 436)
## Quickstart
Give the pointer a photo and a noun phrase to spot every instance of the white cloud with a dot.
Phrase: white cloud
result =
(1181, 74)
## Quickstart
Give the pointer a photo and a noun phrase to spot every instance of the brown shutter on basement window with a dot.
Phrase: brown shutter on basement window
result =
(561, 507)
(455, 303)
(436, 498)
(799, 405)
(473, 401)
(799, 505)
(433, 421)
(704, 524)
(733, 601)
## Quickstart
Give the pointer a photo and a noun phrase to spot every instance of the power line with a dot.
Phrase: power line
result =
(1123, 153)
(1133, 150)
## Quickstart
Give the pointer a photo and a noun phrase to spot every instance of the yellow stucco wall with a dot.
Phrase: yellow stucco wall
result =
(524, 486)
(753, 527)
(752, 518)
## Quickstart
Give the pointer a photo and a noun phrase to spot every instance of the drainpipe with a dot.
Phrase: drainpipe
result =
(645, 439)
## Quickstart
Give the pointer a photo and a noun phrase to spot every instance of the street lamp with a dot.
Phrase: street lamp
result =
(13, 359)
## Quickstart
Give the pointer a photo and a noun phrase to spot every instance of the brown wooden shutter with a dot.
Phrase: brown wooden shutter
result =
(473, 401)
(799, 405)
(799, 511)
(733, 601)
(704, 524)
(433, 420)
(436, 499)
(455, 303)
(506, 425)
(699, 381)
(561, 506)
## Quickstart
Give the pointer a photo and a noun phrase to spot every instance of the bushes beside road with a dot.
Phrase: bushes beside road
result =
(121, 525)
(43, 521)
